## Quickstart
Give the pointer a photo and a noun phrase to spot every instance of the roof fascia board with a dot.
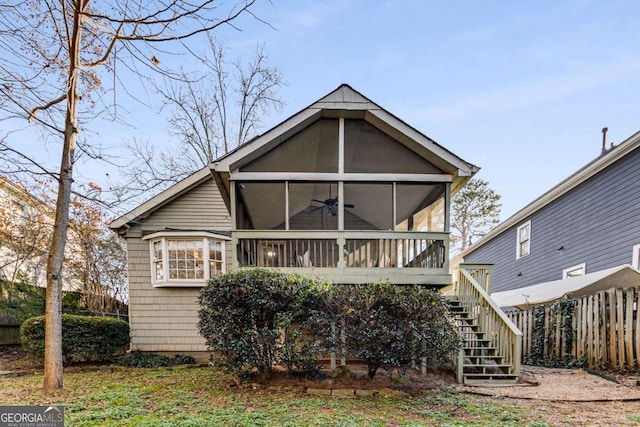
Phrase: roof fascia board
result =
(589, 170)
(163, 198)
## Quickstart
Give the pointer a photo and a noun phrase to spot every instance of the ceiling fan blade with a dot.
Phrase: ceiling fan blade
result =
(349, 205)
(319, 201)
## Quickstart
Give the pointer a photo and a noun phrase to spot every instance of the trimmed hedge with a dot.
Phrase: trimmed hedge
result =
(255, 319)
(84, 338)
(250, 320)
(385, 325)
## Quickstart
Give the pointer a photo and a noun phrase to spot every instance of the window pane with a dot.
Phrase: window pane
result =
(313, 149)
(157, 250)
(159, 270)
(260, 205)
(185, 259)
(215, 250)
(368, 206)
(313, 206)
(367, 149)
(420, 207)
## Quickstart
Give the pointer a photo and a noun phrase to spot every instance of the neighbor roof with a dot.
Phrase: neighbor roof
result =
(623, 276)
(597, 165)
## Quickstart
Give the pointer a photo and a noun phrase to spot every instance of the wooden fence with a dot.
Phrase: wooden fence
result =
(600, 330)
(9, 329)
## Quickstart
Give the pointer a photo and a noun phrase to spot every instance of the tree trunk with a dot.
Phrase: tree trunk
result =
(53, 304)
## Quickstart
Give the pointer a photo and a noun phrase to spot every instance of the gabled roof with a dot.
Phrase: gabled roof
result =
(622, 276)
(597, 165)
(163, 198)
(345, 100)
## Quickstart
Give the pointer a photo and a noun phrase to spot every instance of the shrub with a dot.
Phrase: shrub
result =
(385, 325)
(139, 359)
(250, 319)
(84, 338)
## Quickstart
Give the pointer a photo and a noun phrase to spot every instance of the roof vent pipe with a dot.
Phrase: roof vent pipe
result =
(604, 139)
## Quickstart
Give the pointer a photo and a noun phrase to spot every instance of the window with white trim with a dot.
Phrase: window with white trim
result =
(635, 260)
(574, 271)
(186, 260)
(523, 247)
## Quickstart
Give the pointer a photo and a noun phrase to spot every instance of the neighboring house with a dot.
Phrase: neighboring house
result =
(342, 190)
(588, 223)
(24, 224)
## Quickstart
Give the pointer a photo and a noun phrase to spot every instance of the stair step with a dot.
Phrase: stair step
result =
(483, 358)
(490, 378)
(479, 351)
(474, 333)
(481, 340)
(486, 369)
(473, 326)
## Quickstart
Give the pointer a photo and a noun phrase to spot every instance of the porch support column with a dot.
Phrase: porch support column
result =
(340, 242)
(447, 223)
(286, 205)
(234, 236)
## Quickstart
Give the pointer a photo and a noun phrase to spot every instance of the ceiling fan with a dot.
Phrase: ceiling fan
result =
(332, 205)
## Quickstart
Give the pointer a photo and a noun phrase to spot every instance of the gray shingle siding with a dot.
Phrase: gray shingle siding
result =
(597, 222)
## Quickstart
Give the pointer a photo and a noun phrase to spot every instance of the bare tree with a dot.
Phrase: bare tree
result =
(96, 258)
(53, 56)
(475, 210)
(213, 111)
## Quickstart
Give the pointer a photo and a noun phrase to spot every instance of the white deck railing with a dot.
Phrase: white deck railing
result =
(499, 329)
(348, 249)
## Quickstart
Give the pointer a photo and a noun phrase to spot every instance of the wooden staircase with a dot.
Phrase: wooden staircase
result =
(481, 361)
(492, 344)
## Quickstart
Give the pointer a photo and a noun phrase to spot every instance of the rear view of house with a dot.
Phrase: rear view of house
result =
(343, 190)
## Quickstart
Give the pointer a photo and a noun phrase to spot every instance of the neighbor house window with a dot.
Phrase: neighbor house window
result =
(524, 240)
(574, 271)
(189, 259)
(635, 260)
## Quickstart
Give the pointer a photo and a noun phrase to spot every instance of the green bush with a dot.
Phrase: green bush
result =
(385, 325)
(139, 359)
(250, 319)
(84, 338)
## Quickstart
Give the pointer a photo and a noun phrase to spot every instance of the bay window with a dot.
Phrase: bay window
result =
(186, 259)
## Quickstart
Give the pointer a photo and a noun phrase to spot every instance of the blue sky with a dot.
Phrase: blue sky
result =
(521, 89)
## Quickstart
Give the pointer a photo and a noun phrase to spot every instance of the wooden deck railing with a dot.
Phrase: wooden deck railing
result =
(349, 249)
(499, 329)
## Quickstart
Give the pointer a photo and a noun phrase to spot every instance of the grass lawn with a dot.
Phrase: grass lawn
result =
(201, 396)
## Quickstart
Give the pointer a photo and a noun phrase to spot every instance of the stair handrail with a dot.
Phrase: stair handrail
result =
(498, 327)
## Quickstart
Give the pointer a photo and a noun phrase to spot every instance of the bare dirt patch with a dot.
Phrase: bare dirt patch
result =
(12, 359)
(405, 381)
(575, 385)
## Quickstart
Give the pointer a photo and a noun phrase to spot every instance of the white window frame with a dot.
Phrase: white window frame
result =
(566, 271)
(635, 257)
(164, 237)
(519, 253)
